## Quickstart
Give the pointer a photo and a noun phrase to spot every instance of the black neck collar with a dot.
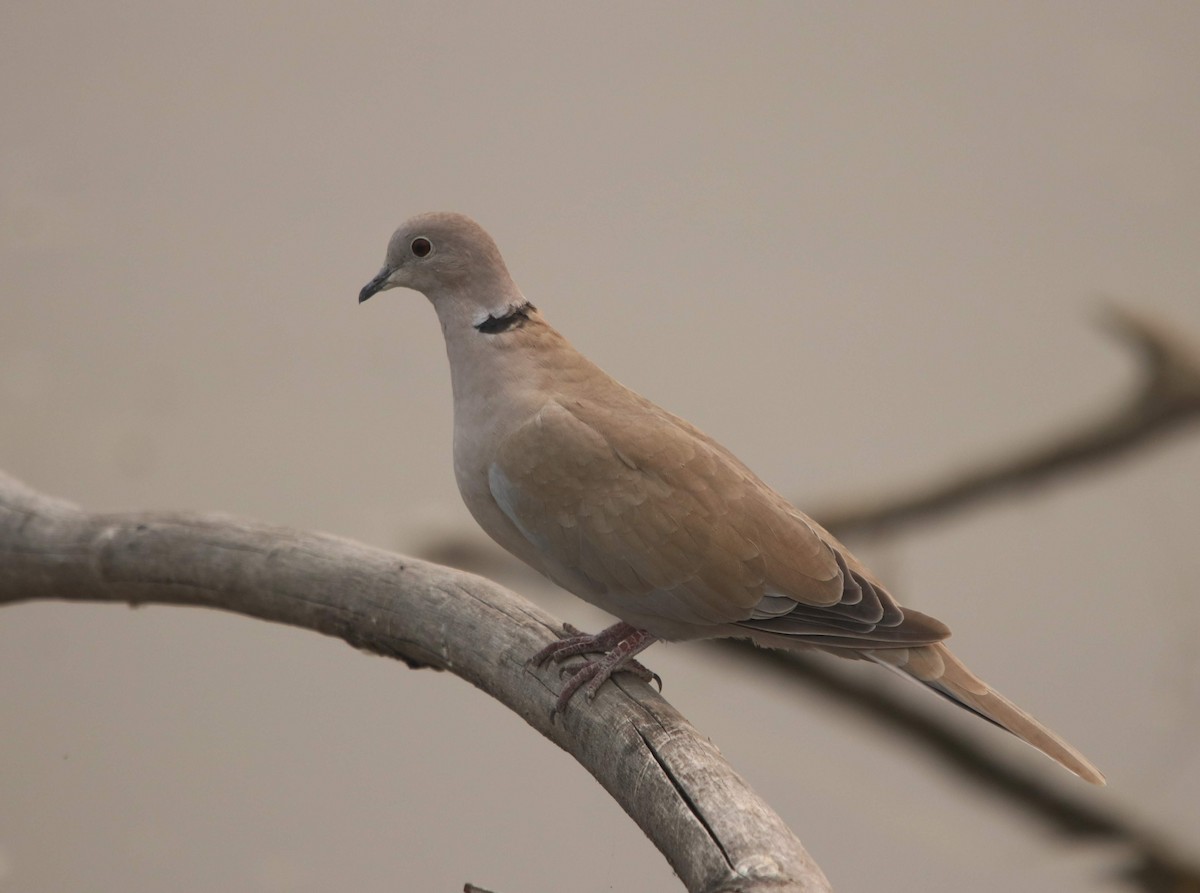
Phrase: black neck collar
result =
(512, 318)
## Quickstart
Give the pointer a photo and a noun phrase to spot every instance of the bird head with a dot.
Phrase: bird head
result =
(440, 254)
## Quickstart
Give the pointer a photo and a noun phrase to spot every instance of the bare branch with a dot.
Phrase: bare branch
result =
(717, 834)
(1167, 397)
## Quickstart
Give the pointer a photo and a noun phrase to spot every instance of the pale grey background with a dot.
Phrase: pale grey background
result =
(856, 242)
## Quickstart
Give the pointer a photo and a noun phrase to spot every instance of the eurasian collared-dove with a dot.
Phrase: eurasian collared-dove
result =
(636, 511)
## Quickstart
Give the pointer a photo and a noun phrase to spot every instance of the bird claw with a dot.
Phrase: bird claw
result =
(616, 646)
(567, 647)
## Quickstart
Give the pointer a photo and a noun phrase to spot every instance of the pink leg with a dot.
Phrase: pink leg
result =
(617, 645)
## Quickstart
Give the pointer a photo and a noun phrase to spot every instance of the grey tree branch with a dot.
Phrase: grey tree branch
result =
(716, 833)
(1167, 397)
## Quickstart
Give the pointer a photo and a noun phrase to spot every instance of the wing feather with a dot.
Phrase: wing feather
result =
(637, 502)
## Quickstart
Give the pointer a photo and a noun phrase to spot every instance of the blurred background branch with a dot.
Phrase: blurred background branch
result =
(1155, 864)
(1166, 398)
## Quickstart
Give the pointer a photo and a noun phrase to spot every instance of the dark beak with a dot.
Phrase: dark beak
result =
(379, 283)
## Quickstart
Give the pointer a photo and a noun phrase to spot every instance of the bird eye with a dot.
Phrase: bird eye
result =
(421, 246)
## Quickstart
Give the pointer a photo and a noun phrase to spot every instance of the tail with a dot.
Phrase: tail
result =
(935, 667)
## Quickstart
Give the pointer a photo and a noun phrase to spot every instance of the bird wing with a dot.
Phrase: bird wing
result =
(636, 501)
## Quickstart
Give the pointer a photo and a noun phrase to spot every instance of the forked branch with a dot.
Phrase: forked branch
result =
(1166, 397)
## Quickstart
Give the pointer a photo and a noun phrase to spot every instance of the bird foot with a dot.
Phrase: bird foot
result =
(616, 645)
(576, 641)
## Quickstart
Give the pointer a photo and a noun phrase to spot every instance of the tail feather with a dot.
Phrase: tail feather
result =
(934, 666)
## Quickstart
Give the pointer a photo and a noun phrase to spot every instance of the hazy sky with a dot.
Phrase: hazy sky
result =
(858, 243)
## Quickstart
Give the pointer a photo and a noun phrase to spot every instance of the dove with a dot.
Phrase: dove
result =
(638, 512)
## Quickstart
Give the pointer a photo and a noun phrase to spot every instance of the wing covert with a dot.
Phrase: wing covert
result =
(649, 510)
